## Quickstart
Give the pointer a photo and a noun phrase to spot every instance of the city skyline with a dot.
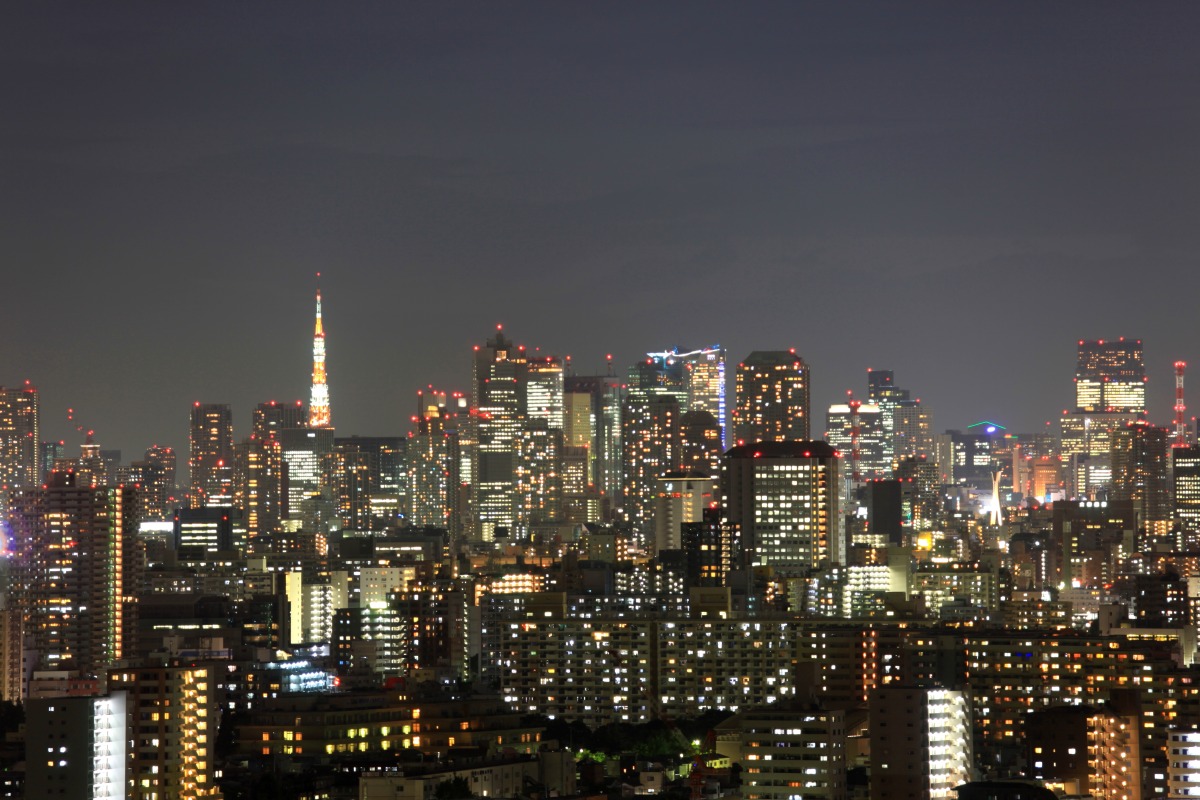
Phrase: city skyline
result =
(945, 192)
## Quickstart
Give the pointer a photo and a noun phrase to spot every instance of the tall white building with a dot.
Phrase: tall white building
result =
(920, 742)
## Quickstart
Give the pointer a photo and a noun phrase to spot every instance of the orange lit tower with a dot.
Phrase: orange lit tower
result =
(318, 406)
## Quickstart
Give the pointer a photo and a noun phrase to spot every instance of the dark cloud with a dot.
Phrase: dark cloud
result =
(954, 191)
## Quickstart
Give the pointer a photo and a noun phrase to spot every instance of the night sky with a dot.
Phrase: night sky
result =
(957, 192)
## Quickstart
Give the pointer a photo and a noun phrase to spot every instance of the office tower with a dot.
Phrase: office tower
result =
(544, 390)
(306, 454)
(973, 454)
(1185, 491)
(854, 427)
(592, 419)
(1110, 376)
(682, 498)
(497, 404)
(75, 552)
(1110, 393)
(538, 481)
(772, 391)
(784, 499)
(370, 479)
(201, 533)
(210, 454)
(920, 742)
(318, 405)
(703, 373)
(48, 454)
(793, 751)
(157, 481)
(270, 419)
(650, 435)
(700, 447)
(20, 437)
(1139, 473)
(433, 462)
(171, 721)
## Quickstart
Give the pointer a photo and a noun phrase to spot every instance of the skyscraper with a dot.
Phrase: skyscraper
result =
(783, 497)
(369, 479)
(842, 421)
(20, 436)
(1110, 376)
(497, 403)
(75, 554)
(1139, 473)
(211, 454)
(262, 478)
(1185, 491)
(650, 434)
(544, 390)
(703, 373)
(1110, 393)
(318, 406)
(592, 419)
(155, 473)
(434, 460)
(772, 405)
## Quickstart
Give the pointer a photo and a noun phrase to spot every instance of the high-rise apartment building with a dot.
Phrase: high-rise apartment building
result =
(784, 499)
(912, 430)
(210, 454)
(434, 488)
(20, 436)
(920, 742)
(173, 713)
(75, 553)
(497, 406)
(772, 398)
(792, 751)
(158, 482)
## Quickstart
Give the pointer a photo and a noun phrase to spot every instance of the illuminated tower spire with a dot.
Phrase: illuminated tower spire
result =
(318, 406)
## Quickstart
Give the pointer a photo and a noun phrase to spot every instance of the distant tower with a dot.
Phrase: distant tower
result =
(19, 436)
(772, 391)
(318, 407)
(1110, 376)
(1181, 431)
(210, 454)
(497, 402)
